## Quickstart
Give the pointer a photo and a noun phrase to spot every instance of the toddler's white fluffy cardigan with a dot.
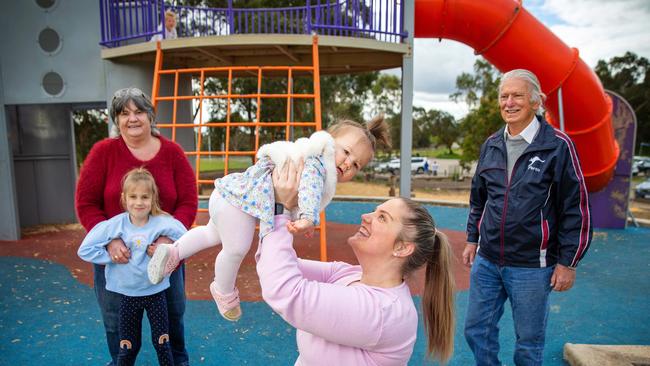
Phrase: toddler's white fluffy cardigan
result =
(319, 143)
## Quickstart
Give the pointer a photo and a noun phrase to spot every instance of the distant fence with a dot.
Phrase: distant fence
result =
(135, 21)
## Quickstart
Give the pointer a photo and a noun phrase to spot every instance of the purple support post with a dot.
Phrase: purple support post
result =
(308, 17)
(404, 34)
(102, 20)
(245, 14)
(284, 16)
(162, 19)
(319, 10)
(231, 17)
(609, 207)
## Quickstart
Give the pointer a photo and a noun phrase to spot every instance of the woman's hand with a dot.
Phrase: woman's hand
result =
(118, 251)
(151, 248)
(301, 226)
(285, 183)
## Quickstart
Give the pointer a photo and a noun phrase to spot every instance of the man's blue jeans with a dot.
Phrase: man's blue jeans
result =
(528, 290)
(109, 304)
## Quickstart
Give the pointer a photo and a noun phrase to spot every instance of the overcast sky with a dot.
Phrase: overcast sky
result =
(599, 29)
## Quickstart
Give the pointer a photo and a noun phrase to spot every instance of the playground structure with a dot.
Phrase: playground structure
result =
(46, 305)
(576, 103)
(353, 36)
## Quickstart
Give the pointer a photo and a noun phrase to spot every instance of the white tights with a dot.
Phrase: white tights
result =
(229, 226)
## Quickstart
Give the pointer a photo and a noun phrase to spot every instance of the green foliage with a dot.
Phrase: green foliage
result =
(89, 127)
(345, 96)
(433, 126)
(386, 98)
(628, 76)
(479, 91)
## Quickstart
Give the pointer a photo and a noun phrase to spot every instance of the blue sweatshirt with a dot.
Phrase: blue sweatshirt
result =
(131, 278)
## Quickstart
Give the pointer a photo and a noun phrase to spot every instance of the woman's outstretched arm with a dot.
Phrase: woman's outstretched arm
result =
(347, 315)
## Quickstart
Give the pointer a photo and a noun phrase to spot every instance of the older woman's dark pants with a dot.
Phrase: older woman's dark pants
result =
(109, 304)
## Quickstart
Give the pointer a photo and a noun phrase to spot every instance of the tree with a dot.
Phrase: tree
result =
(479, 90)
(345, 96)
(434, 126)
(90, 126)
(628, 76)
(386, 98)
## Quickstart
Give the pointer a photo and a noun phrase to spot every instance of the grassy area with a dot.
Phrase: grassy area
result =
(217, 163)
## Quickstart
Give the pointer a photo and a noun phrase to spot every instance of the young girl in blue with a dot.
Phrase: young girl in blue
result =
(138, 227)
(241, 199)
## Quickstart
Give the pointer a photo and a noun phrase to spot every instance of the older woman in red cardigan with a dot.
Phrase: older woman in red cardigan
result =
(137, 143)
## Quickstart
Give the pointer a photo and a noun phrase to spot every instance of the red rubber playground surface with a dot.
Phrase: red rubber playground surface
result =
(48, 313)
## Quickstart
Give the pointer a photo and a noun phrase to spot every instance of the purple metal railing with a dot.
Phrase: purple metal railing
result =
(133, 21)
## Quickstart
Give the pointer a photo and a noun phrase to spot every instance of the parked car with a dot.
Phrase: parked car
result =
(642, 190)
(419, 165)
(380, 167)
(642, 164)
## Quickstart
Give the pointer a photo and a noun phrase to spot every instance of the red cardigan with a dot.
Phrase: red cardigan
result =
(98, 188)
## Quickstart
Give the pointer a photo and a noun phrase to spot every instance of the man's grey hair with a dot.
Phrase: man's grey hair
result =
(534, 88)
(121, 98)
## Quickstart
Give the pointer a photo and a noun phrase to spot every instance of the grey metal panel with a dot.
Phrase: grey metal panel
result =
(44, 130)
(9, 224)
(26, 192)
(44, 163)
(12, 128)
(186, 137)
(55, 191)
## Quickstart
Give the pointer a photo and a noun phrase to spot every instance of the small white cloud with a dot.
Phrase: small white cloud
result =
(440, 101)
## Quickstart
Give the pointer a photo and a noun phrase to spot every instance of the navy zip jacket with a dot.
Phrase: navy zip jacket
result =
(540, 216)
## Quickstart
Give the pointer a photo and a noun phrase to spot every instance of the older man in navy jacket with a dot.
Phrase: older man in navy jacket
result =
(529, 219)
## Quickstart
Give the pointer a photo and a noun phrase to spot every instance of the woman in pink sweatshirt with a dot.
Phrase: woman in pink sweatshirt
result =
(364, 314)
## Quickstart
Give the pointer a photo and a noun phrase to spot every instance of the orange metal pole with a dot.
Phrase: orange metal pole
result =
(258, 112)
(242, 96)
(317, 112)
(174, 106)
(238, 124)
(225, 166)
(319, 126)
(289, 99)
(199, 139)
(156, 76)
(237, 68)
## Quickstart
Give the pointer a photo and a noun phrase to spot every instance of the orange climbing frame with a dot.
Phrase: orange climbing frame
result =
(199, 124)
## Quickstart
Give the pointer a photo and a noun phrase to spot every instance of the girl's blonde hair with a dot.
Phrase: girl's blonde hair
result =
(376, 130)
(142, 175)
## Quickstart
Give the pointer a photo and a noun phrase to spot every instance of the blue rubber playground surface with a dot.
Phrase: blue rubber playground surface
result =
(49, 318)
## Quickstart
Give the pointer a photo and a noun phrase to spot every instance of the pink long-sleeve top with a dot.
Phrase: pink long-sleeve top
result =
(339, 320)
